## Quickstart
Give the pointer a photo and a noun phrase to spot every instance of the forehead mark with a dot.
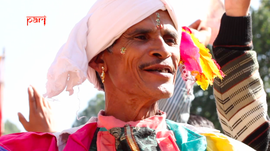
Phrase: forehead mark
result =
(123, 50)
(158, 24)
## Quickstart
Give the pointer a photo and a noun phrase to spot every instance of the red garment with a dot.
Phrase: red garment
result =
(36, 141)
(30, 141)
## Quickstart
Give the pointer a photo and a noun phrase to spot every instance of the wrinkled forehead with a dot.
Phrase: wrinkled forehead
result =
(158, 20)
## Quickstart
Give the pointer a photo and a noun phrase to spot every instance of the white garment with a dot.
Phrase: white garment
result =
(106, 21)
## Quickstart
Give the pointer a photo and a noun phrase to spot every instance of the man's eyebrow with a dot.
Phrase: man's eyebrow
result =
(148, 30)
(171, 33)
(140, 31)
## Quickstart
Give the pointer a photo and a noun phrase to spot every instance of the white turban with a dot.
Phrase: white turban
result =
(106, 21)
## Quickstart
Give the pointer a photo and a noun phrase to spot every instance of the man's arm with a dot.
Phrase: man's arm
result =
(240, 97)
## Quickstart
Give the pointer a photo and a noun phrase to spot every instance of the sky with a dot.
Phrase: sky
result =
(31, 49)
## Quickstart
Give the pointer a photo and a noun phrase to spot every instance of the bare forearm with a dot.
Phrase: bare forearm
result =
(237, 8)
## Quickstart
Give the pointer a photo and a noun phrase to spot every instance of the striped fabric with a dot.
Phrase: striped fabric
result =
(241, 99)
(177, 107)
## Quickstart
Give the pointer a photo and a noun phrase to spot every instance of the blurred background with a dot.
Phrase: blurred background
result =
(27, 52)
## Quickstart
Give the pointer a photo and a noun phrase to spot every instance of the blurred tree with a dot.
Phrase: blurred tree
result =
(261, 42)
(94, 106)
(9, 128)
(204, 105)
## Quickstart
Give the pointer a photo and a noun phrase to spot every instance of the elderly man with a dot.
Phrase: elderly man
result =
(130, 49)
(177, 107)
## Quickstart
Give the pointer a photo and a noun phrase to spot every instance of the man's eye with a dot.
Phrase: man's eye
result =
(141, 37)
(170, 41)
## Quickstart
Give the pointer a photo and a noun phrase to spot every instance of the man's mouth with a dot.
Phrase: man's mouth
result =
(160, 68)
(164, 70)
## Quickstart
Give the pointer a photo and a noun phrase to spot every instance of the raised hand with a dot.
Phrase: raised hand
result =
(201, 32)
(40, 114)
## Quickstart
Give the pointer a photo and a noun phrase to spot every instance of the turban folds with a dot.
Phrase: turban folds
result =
(105, 22)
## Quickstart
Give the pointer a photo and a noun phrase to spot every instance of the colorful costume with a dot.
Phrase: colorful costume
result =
(107, 133)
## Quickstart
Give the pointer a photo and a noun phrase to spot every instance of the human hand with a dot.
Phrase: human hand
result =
(40, 114)
(201, 32)
(213, 18)
(237, 8)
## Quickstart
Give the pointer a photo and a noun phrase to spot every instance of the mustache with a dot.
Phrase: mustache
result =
(163, 62)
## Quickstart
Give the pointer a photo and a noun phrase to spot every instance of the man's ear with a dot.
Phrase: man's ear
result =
(97, 62)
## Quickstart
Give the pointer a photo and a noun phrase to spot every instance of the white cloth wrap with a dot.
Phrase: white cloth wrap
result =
(106, 21)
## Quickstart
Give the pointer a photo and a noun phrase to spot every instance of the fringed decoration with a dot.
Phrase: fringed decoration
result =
(197, 60)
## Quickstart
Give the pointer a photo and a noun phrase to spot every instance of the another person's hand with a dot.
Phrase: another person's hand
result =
(201, 32)
(237, 8)
(40, 114)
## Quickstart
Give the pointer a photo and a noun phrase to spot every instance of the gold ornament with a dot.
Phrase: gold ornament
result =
(102, 75)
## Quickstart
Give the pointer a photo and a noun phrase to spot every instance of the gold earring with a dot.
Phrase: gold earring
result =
(102, 75)
(123, 50)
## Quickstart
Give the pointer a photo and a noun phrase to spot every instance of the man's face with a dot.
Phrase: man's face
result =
(148, 67)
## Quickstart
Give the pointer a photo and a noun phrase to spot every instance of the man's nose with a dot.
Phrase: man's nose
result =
(160, 49)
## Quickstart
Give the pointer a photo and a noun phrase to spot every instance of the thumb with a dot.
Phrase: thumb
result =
(196, 24)
(23, 121)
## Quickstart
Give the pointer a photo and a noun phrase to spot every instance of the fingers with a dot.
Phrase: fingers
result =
(205, 28)
(38, 98)
(203, 34)
(48, 104)
(23, 121)
(196, 24)
(207, 32)
(32, 101)
(45, 103)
